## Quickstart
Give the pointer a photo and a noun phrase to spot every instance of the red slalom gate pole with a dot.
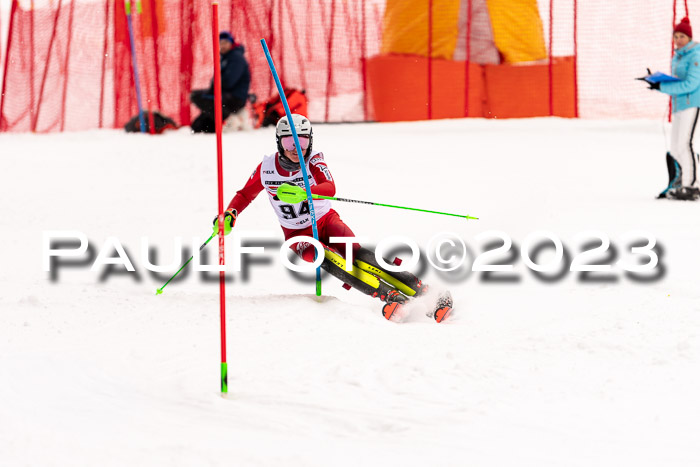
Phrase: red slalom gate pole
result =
(220, 178)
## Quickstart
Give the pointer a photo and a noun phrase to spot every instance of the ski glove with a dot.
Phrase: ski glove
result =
(229, 221)
(644, 78)
(652, 86)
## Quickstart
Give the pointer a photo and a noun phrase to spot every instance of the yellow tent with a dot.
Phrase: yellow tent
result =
(508, 31)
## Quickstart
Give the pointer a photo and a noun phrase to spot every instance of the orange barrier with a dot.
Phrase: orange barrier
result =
(520, 91)
(398, 89)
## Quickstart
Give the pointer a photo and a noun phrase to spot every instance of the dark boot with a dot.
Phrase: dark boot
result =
(686, 193)
(674, 175)
(203, 124)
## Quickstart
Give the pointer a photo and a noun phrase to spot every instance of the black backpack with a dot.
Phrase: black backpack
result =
(160, 122)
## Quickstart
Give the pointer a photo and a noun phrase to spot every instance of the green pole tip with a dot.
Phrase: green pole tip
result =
(224, 377)
(159, 291)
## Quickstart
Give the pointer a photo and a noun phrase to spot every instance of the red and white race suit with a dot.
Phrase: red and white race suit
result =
(295, 219)
(269, 175)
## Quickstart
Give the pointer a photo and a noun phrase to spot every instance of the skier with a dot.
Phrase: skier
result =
(295, 220)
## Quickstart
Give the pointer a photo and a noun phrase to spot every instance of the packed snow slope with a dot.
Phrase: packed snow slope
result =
(597, 369)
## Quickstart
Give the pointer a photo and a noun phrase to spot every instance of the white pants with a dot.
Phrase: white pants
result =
(683, 125)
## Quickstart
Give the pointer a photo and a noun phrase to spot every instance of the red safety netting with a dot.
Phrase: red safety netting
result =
(66, 64)
(70, 66)
(52, 67)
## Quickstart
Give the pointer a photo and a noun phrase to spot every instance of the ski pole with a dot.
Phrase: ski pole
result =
(160, 291)
(293, 194)
(292, 127)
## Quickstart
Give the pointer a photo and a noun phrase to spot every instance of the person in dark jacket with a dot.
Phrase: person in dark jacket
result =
(235, 83)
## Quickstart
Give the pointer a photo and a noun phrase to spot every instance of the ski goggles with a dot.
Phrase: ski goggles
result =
(288, 142)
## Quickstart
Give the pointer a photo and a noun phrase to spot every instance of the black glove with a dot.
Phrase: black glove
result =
(654, 86)
(229, 221)
(644, 78)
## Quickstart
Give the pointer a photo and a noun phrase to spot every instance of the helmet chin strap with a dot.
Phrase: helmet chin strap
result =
(288, 164)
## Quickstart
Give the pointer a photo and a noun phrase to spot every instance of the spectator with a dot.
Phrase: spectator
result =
(235, 82)
(685, 97)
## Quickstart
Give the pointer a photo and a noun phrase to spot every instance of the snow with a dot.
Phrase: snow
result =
(97, 369)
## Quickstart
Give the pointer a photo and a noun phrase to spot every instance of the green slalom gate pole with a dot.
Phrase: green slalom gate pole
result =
(160, 291)
(294, 194)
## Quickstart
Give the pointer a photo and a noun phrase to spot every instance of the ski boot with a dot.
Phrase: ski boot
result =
(394, 302)
(674, 176)
(686, 193)
(443, 307)
(420, 288)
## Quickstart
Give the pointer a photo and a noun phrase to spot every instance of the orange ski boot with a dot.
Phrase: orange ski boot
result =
(443, 307)
(394, 302)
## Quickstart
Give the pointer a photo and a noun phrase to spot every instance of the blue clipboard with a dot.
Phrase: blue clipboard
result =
(659, 77)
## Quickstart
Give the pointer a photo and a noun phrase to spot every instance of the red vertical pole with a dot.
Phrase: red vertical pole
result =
(46, 66)
(673, 25)
(271, 38)
(309, 40)
(146, 75)
(220, 179)
(329, 81)
(576, 58)
(669, 100)
(32, 107)
(186, 60)
(281, 37)
(301, 58)
(363, 19)
(551, 83)
(430, 59)
(8, 46)
(155, 33)
(467, 59)
(1, 44)
(117, 62)
(104, 64)
(147, 85)
(65, 64)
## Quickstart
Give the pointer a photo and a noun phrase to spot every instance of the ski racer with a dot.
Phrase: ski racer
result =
(282, 167)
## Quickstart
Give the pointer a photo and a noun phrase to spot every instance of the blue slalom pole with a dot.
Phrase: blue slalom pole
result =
(142, 121)
(302, 163)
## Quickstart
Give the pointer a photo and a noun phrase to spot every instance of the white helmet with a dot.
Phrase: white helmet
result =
(301, 124)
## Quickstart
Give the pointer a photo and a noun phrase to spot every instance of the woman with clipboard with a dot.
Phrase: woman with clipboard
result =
(685, 96)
